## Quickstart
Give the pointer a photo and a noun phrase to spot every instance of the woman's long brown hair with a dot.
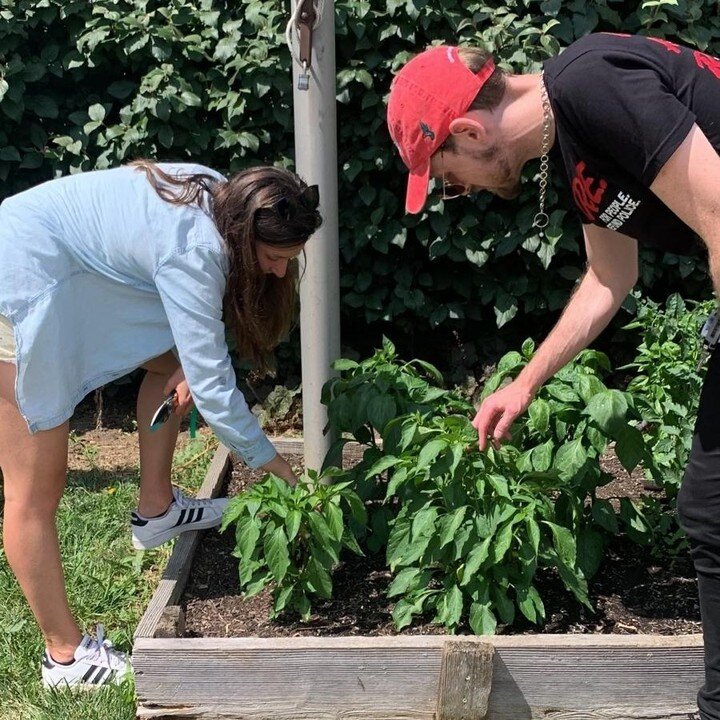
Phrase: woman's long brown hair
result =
(258, 309)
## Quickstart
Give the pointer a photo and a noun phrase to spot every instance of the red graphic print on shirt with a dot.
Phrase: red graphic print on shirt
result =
(587, 198)
(708, 62)
(671, 46)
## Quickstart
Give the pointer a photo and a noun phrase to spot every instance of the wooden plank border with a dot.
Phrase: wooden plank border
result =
(563, 677)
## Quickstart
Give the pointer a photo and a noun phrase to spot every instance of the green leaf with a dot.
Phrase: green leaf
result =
(405, 580)
(590, 548)
(477, 556)
(320, 529)
(381, 409)
(190, 99)
(96, 112)
(450, 525)
(630, 446)
(604, 516)
(482, 619)
(381, 465)
(282, 596)
(530, 603)
(318, 578)
(450, 607)
(334, 518)
(423, 524)
(276, 553)
(564, 543)
(247, 533)
(608, 409)
(43, 105)
(539, 412)
(121, 89)
(429, 452)
(343, 365)
(570, 457)
(292, 523)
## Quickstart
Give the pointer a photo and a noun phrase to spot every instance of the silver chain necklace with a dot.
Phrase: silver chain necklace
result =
(541, 219)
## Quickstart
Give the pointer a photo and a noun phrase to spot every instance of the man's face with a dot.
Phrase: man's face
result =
(478, 166)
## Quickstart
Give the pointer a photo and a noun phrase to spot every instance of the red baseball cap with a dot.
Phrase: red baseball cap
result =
(430, 91)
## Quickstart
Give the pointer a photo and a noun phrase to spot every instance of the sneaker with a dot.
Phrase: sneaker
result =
(183, 514)
(96, 663)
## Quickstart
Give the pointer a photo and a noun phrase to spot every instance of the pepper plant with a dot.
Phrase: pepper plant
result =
(465, 533)
(291, 538)
(669, 369)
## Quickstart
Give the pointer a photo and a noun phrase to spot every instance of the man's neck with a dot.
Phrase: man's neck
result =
(521, 117)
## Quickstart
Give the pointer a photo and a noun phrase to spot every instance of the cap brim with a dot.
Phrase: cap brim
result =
(417, 190)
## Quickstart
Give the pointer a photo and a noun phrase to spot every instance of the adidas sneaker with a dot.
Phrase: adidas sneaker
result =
(96, 663)
(183, 514)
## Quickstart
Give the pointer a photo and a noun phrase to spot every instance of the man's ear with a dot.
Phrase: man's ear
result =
(469, 127)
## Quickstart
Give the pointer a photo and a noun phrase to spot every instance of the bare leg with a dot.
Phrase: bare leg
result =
(156, 448)
(34, 469)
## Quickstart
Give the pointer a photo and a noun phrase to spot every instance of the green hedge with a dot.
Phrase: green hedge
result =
(93, 84)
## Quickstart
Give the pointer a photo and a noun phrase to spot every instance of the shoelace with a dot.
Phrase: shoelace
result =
(184, 501)
(103, 652)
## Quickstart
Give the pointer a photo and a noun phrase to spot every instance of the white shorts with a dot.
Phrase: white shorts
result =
(7, 340)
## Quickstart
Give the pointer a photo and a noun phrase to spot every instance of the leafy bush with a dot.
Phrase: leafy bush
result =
(292, 537)
(465, 533)
(668, 378)
(93, 84)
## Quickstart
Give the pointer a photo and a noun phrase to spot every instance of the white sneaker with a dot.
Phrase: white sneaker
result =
(96, 663)
(183, 514)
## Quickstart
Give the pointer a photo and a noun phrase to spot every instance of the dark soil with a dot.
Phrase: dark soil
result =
(632, 592)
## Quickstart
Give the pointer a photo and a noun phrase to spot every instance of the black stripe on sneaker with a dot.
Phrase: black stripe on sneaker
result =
(46, 662)
(101, 673)
(190, 516)
(199, 515)
(90, 671)
(181, 519)
(136, 520)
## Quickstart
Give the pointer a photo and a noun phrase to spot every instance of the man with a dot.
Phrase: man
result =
(635, 122)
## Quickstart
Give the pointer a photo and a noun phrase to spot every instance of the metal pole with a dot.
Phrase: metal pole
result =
(316, 162)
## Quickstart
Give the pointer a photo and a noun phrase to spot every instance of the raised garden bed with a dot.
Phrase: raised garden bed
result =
(292, 676)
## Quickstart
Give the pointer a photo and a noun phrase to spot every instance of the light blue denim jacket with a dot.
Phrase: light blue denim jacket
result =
(98, 274)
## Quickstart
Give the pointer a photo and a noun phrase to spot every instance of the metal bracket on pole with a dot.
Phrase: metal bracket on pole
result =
(306, 21)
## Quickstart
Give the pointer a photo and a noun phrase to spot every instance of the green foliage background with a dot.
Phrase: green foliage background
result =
(94, 84)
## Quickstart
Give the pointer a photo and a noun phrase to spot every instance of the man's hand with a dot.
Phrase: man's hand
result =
(177, 383)
(498, 412)
(279, 466)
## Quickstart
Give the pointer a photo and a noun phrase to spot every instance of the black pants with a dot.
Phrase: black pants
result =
(699, 512)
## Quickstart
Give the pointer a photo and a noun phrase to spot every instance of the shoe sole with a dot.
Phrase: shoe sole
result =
(79, 686)
(170, 533)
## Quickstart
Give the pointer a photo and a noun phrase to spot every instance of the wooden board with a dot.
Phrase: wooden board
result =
(563, 677)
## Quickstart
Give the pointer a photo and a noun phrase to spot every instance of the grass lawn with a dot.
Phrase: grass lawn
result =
(108, 581)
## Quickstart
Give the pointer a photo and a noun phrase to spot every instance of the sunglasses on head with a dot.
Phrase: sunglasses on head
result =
(284, 208)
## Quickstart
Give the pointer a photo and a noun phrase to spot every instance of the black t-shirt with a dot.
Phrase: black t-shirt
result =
(622, 105)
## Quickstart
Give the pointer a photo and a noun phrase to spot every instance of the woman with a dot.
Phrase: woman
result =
(107, 271)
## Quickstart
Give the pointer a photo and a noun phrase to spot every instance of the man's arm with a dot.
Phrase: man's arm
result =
(689, 184)
(612, 271)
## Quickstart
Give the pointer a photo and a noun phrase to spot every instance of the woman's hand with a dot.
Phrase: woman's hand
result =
(177, 384)
(279, 466)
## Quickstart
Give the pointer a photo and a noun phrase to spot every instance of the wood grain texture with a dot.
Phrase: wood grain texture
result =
(176, 573)
(465, 681)
(570, 678)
